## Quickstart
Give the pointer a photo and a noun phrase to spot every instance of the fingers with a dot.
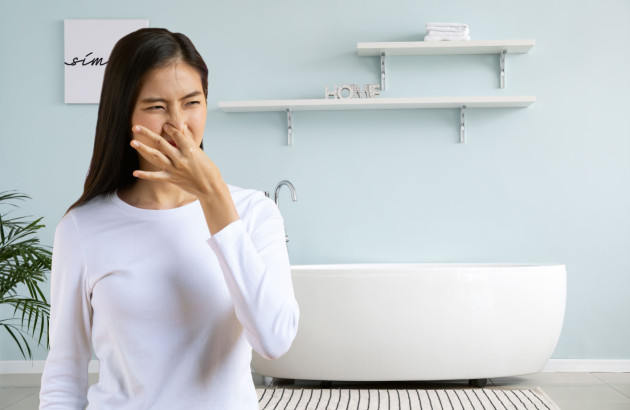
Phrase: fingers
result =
(154, 156)
(152, 176)
(169, 163)
(183, 138)
(154, 140)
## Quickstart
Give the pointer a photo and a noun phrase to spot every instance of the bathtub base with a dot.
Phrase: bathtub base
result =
(326, 384)
(477, 382)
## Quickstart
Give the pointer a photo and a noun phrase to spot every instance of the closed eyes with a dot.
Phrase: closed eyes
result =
(161, 107)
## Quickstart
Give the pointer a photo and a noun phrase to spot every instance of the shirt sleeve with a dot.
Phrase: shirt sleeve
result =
(65, 377)
(255, 264)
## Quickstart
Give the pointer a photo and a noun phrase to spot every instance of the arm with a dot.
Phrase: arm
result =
(65, 378)
(254, 261)
(257, 272)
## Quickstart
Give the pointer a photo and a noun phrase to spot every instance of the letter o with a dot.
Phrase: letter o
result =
(347, 87)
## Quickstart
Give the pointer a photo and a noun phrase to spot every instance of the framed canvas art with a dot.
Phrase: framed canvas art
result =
(87, 46)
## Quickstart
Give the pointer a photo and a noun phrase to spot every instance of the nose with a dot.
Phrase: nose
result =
(176, 119)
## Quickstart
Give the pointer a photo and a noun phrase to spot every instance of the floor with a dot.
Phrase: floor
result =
(570, 391)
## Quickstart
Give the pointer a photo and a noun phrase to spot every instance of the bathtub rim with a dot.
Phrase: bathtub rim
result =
(403, 267)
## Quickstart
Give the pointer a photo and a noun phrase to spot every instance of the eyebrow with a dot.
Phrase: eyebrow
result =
(159, 99)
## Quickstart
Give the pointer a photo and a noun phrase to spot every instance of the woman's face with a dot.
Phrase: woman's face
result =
(171, 95)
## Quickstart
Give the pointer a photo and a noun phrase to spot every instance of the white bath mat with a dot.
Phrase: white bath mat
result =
(369, 399)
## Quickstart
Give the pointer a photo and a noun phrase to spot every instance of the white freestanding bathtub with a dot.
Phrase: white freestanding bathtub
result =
(395, 322)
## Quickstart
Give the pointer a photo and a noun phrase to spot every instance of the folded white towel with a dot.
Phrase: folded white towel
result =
(447, 29)
(447, 33)
(446, 38)
(448, 25)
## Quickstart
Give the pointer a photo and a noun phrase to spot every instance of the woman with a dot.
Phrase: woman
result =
(171, 275)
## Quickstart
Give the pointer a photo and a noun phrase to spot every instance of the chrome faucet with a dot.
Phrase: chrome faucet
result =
(277, 194)
(288, 185)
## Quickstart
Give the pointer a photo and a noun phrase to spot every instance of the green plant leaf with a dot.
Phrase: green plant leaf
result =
(24, 263)
(21, 345)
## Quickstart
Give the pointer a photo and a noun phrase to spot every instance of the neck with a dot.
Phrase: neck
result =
(155, 195)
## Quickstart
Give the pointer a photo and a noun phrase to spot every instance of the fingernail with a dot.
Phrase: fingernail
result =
(135, 143)
(136, 128)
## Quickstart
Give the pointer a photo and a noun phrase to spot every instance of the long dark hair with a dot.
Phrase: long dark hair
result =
(113, 160)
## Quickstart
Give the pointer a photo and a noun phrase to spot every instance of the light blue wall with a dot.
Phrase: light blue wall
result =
(549, 183)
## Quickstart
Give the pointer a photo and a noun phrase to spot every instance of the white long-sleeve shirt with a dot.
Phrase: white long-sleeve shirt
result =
(171, 313)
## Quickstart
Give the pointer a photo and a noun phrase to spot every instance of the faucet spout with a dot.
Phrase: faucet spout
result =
(289, 185)
(293, 196)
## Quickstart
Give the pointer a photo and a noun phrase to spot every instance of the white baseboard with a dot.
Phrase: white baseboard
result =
(587, 365)
(553, 365)
(35, 366)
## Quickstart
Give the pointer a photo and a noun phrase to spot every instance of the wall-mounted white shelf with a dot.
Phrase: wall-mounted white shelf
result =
(418, 48)
(376, 104)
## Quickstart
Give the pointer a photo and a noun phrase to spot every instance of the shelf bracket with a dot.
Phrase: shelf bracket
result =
(502, 67)
(462, 124)
(382, 70)
(289, 127)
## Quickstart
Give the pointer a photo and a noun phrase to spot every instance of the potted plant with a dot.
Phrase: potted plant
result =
(24, 264)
